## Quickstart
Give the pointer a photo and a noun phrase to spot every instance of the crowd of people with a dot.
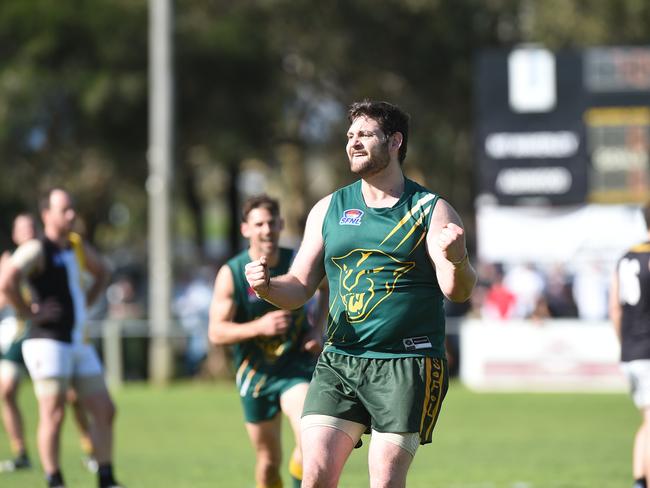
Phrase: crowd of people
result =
(529, 291)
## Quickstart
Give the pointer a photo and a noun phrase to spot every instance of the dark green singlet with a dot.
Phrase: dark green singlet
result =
(385, 300)
(267, 366)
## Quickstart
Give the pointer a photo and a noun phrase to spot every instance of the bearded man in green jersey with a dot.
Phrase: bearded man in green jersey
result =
(274, 350)
(391, 249)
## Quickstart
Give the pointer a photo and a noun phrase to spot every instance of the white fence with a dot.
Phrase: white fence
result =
(515, 355)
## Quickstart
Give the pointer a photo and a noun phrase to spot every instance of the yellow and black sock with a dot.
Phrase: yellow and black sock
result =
(295, 469)
(86, 445)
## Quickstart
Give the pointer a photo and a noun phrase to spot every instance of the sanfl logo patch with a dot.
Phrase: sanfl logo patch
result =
(351, 216)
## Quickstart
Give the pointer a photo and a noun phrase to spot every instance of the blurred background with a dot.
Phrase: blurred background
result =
(531, 117)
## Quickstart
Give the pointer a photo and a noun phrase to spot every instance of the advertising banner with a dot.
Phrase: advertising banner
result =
(551, 356)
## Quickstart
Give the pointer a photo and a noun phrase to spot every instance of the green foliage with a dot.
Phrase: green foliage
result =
(193, 435)
(251, 77)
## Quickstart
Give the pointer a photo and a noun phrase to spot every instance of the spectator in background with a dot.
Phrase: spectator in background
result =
(590, 288)
(629, 308)
(498, 302)
(559, 293)
(527, 284)
(192, 307)
(122, 297)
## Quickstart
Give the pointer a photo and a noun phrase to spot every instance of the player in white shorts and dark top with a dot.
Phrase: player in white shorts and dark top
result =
(54, 351)
(630, 313)
(12, 365)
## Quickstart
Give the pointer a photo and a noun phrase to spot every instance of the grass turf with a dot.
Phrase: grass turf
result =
(192, 435)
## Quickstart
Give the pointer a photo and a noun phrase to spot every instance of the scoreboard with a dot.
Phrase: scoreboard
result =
(563, 128)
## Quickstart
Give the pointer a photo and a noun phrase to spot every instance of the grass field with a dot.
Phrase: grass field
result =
(192, 435)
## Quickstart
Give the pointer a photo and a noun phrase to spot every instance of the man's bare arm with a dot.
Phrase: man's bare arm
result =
(10, 279)
(292, 290)
(448, 251)
(28, 258)
(223, 330)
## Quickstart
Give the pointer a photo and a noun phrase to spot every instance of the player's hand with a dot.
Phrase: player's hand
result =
(313, 342)
(258, 277)
(452, 242)
(274, 323)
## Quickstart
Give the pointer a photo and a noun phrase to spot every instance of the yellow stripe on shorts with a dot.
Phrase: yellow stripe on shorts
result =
(434, 380)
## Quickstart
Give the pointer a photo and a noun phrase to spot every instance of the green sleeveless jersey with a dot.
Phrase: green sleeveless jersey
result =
(385, 300)
(263, 355)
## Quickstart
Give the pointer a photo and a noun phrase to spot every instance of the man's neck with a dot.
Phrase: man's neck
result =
(58, 238)
(383, 189)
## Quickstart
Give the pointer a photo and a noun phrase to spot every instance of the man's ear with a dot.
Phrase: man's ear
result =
(396, 140)
(245, 230)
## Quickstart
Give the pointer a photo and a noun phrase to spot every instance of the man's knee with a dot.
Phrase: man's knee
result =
(317, 477)
(9, 380)
(102, 409)
(268, 465)
(52, 411)
(8, 390)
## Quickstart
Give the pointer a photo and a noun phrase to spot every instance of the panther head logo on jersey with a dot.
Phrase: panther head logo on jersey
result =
(367, 278)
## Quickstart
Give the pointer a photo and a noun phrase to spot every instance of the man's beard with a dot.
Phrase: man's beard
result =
(377, 161)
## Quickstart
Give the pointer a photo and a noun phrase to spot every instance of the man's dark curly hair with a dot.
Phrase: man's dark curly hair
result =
(390, 118)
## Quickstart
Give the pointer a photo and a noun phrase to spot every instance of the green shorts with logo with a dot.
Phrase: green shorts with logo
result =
(260, 396)
(395, 395)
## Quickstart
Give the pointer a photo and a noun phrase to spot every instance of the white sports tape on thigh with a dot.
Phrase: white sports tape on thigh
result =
(352, 429)
(50, 386)
(409, 441)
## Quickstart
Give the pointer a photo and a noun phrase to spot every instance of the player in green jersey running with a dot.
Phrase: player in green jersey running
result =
(274, 350)
(391, 249)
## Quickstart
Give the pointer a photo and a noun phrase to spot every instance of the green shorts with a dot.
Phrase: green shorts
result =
(397, 395)
(15, 352)
(260, 396)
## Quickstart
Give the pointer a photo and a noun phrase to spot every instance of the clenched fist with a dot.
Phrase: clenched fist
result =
(258, 277)
(452, 243)
(274, 323)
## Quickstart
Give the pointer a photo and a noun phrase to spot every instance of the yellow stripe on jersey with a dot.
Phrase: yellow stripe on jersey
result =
(417, 224)
(78, 248)
(423, 201)
(645, 247)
